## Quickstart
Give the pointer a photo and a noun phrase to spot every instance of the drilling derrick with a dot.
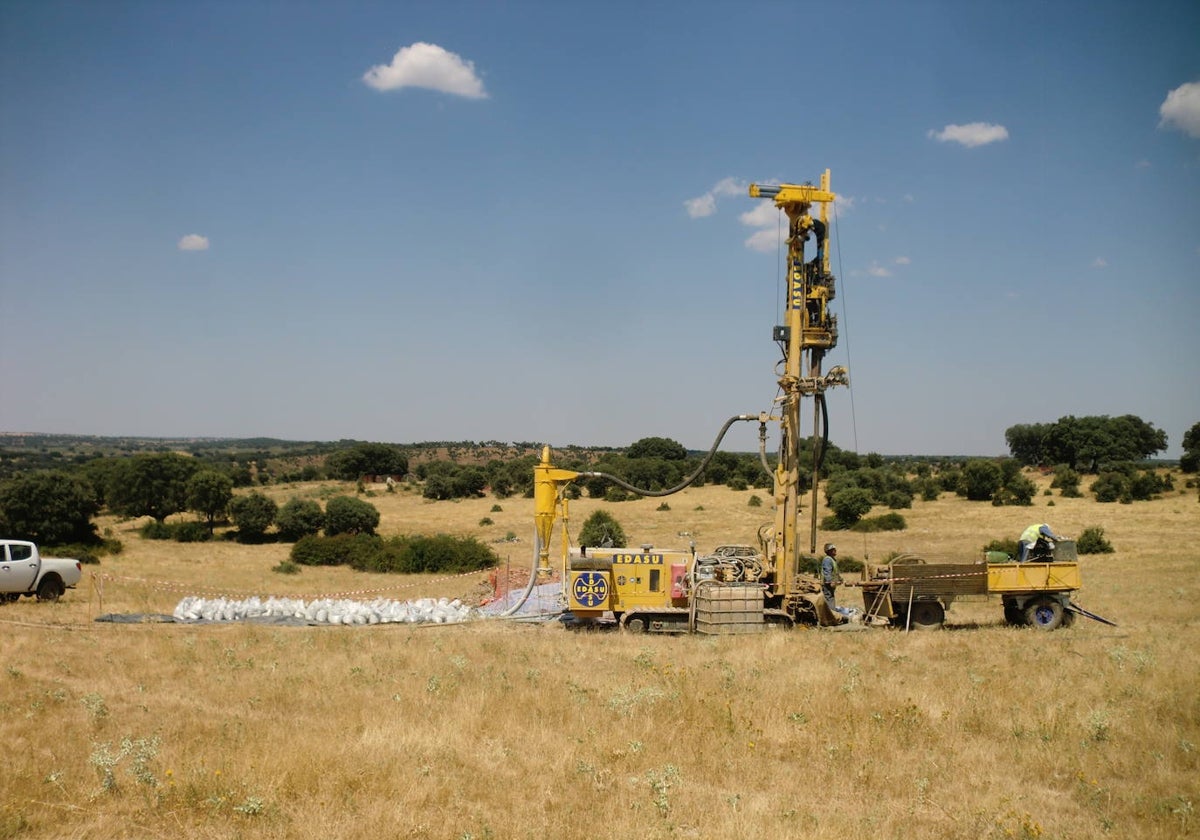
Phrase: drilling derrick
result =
(808, 332)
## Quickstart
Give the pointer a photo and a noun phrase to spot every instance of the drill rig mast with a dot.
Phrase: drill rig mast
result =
(657, 590)
(809, 330)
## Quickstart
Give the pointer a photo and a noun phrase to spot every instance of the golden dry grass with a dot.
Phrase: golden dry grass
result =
(510, 730)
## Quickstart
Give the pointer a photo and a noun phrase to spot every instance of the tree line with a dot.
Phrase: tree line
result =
(55, 506)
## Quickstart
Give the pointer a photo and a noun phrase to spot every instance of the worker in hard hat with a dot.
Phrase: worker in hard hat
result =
(831, 578)
(1030, 536)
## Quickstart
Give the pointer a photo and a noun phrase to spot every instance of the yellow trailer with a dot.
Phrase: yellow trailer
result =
(913, 593)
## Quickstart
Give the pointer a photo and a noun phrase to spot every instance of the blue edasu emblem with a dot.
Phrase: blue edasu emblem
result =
(590, 589)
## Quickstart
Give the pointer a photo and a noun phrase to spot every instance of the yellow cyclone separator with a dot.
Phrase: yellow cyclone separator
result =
(546, 481)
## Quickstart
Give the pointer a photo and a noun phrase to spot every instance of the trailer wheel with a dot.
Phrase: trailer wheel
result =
(1014, 615)
(1044, 614)
(927, 615)
(635, 625)
(50, 589)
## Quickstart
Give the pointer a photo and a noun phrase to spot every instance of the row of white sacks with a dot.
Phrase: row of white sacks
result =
(324, 610)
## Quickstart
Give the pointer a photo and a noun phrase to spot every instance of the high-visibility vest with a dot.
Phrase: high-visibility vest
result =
(1030, 535)
(831, 569)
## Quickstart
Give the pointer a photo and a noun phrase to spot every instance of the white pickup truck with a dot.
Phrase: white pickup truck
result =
(23, 571)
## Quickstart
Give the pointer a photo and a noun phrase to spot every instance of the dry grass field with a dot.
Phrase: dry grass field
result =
(506, 730)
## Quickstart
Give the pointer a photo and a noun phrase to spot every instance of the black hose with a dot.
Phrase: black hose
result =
(820, 398)
(620, 482)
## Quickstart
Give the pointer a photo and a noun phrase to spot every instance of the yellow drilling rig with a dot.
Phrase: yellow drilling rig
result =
(736, 589)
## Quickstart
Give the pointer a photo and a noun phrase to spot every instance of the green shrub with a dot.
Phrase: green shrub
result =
(348, 515)
(980, 479)
(1124, 483)
(299, 518)
(849, 506)
(209, 493)
(188, 532)
(286, 567)
(154, 530)
(847, 564)
(663, 506)
(84, 553)
(1066, 481)
(339, 550)
(754, 501)
(487, 520)
(441, 554)
(832, 523)
(253, 514)
(617, 494)
(1018, 490)
(600, 529)
(1109, 486)
(737, 483)
(885, 522)
(1008, 546)
(1092, 541)
(497, 509)
(1144, 486)
(310, 551)
(48, 507)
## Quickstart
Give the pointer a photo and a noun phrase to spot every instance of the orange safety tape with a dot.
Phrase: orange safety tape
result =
(927, 577)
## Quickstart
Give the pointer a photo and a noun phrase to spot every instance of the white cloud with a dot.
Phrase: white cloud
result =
(902, 261)
(193, 242)
(764, 214)
(1181, 109)
(765, 240)
(1099, 262)
(706, 205)
(909, 198)
(876, 270)
(1142, 164)
(729, 186)
(429, 66)
(702, 206)
(971, 134)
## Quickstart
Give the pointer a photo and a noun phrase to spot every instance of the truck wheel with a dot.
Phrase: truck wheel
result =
(1044, 614)
(927, 615)
(50, 589)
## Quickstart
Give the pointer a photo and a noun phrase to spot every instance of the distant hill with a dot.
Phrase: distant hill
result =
(28, 451)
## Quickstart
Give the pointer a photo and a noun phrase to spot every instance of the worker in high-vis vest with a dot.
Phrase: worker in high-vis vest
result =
(1029, 538)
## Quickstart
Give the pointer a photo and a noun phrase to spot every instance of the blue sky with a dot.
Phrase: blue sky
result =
(528, 221)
